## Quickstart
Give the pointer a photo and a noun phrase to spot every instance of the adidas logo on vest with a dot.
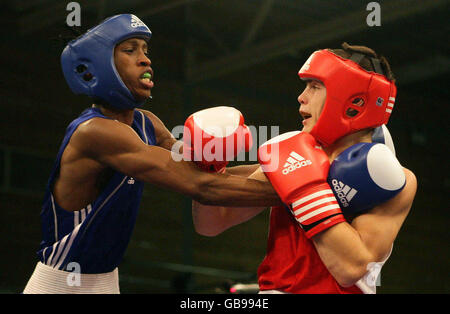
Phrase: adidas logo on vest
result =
(294, 162)
(344, 192)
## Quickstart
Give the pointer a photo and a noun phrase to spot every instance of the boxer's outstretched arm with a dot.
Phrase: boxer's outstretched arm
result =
(213, 220)
(347, 249)
(115, 144)
(164, 138)
(242, 170)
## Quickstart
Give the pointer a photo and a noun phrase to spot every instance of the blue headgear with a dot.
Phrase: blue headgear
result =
(88, 61)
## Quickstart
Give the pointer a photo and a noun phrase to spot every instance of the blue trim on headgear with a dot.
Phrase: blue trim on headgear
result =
(93, 53)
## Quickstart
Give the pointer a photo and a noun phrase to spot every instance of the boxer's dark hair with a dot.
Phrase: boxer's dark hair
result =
(348, 50)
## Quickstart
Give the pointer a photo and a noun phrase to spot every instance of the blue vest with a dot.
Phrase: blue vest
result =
(96, 236)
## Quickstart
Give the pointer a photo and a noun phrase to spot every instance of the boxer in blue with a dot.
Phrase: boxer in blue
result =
(106, 156)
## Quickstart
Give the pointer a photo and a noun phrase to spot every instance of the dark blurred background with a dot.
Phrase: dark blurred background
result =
(242, 53)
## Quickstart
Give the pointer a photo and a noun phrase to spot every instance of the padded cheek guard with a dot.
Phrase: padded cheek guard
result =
(356, 99)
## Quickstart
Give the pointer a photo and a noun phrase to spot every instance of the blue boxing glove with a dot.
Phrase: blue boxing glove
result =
(381, 135)
(365, 175)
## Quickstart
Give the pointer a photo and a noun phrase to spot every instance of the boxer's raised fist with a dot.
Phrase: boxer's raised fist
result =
(365, 175)
(214, 136)
(298, 168)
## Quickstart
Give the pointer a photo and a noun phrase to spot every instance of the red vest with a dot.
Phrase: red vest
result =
(292, 263)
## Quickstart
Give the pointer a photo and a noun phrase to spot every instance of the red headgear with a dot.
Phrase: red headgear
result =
(356, 99)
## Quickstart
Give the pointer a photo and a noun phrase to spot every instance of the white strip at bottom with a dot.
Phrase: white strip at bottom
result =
(48, 280)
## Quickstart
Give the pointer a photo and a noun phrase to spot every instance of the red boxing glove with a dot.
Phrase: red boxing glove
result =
(214, 136)
(298, 169)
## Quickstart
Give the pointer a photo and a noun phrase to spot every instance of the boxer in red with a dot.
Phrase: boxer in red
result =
(346, 195)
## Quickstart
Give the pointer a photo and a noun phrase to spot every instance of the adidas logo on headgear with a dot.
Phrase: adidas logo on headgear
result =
(136, 22)
(344, 192)
(294, 162)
